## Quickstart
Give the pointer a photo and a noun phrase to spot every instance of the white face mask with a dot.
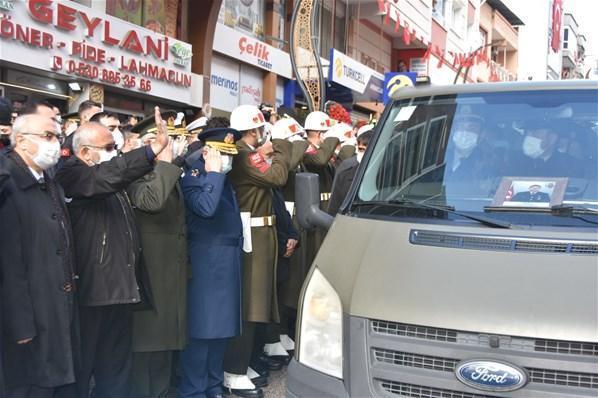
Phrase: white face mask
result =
(532, 147)
(48, 154)
(360, 156)
(465, 141)
(227, 163)
(118, 138)
(105, 156)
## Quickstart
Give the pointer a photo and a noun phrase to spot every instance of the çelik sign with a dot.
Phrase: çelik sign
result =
(79, 42)
(250, 50)
(394, 81)
(354, 75)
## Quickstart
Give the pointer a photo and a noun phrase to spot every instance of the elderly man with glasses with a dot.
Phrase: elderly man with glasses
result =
(107, 251)
(39, 340)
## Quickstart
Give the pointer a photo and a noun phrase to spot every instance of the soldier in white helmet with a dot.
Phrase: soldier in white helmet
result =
(260, 166)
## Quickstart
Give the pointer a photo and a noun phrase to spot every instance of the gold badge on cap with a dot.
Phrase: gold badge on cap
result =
(229, 139)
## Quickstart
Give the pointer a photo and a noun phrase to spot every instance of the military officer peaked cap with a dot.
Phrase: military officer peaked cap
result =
(73, 116)
(148, 124)
(222, 139)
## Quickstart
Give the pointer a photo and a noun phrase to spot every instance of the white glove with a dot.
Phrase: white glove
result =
(350, 141)
(338, 131)
(296, 137)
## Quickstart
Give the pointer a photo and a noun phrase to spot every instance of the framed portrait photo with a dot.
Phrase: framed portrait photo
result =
(530, 192)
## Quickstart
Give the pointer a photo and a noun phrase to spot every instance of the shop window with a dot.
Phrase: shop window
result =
(161, 16)
(247, 16)
(327, 38)
(438, 8)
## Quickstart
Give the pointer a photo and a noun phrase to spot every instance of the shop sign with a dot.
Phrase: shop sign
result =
(224, 84)
(82, 43)
(250, 50)
(394, 81)
(252, 85)
(354, 75)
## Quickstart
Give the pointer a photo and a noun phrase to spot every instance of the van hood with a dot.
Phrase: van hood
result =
(379, 274)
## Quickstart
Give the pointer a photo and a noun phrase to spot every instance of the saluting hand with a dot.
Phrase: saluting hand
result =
(213, 160)
(166, 154)
(162, 138)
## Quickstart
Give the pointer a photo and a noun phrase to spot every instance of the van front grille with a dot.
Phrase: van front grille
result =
(566, 347)
(561, 378)
(415, 391)
(420, 332)
(544, 376)
(415, 360)
(482, 339)
(502, 243)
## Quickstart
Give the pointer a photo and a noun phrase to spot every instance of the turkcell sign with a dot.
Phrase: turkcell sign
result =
(347, 72)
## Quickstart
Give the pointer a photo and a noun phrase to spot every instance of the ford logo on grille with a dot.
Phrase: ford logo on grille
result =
(490, 375)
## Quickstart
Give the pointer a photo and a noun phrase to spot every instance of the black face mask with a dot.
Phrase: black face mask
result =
(4, 141)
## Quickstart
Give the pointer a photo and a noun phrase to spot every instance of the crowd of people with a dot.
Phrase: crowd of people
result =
(154, 255)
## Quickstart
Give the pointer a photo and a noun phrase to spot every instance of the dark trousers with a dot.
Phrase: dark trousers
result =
(30, 392)
(201, 366)
(106, 351)
(151, 373)
(239, 350)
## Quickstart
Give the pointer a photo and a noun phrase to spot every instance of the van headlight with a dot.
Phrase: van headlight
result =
(321, 330)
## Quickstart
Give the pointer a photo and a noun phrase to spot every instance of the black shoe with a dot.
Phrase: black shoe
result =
(255, 393)
(260, 381)
(260, 367)
(271, 363)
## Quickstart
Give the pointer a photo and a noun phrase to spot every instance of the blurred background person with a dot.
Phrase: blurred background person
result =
(40, 337)
(5, 123)
(111, 121)
(346, 172)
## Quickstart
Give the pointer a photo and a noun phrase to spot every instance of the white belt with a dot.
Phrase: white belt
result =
(266, 221)
(324, 196)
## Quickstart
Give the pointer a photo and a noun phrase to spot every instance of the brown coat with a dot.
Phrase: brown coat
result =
(253, 178)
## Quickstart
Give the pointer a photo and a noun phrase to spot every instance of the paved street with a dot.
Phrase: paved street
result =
(277, 384)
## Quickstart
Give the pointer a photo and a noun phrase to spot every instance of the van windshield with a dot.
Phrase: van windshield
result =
(504, 152)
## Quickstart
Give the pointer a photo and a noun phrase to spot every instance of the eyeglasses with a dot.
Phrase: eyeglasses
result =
(108, 147)
(48, 136)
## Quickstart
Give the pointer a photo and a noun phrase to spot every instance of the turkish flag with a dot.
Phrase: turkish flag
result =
(557, 19)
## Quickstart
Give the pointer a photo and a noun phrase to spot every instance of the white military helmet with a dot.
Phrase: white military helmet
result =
(286, 127)
(365, 129)
(246, 117)
(317, 121)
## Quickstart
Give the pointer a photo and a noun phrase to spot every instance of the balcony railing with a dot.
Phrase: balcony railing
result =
(499, 73)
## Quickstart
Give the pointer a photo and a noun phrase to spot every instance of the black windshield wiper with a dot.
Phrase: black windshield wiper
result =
(573, 212)
(449, 209)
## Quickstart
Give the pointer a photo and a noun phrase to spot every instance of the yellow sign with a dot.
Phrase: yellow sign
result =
(398, 82)
(338, 67)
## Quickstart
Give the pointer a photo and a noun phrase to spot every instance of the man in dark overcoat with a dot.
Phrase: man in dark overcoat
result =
(39, 339)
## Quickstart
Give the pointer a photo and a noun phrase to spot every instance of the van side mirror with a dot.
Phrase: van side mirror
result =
(307, 202)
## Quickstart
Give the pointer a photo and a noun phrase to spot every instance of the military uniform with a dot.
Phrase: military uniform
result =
(214, 291)
(318, 160)
(253, 177)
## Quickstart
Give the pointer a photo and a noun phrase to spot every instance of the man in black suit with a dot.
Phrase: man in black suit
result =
(346, 173)
(533, 195)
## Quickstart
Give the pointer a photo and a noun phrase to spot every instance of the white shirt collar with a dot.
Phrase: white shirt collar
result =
(36, 175)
